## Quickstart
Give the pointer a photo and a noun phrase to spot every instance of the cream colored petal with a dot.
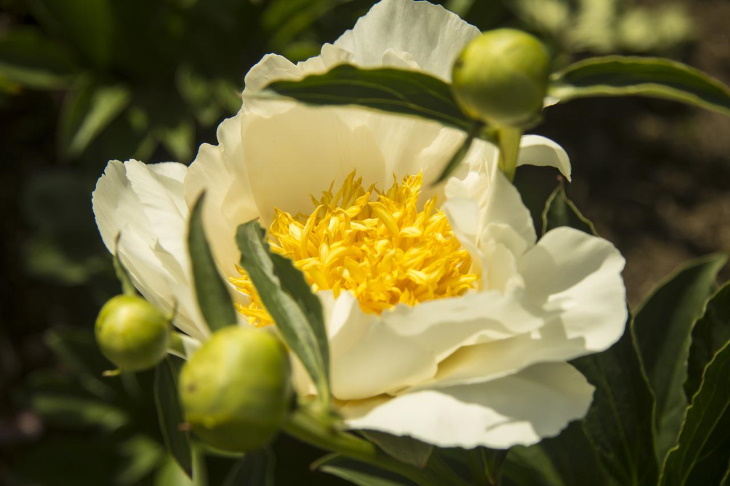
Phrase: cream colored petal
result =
(543, 152)
(220, 172)
(401, 348)
(145, 203)
(578, 278)
(430, 33)
(520, 409)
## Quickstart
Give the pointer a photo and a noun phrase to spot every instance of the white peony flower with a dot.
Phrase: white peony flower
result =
(448, 320)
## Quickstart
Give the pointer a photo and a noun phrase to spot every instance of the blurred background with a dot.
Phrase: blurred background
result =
(85, 81)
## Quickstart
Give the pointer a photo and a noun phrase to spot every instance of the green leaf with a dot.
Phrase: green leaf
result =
(31, 59)
(290, 302)
(385, 89)
(179, 140)
(214, 299)
(642, 76)
(460, 153)
(142, 456)
(88, 25)
(170, 413)
(560, 211)
(405, 449)
(357, 473)
(88, 111)
(565, 460)
(121, 271)
(619, 422)
(67, 410)
(710, 334)
(170, 474)
(253, 469)
(707, 408)
(663, 327)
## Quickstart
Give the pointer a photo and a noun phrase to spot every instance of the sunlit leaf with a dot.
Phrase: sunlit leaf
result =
(385, 89)
(214, 300)
(663, 326)
(287, 297)
(642, 76)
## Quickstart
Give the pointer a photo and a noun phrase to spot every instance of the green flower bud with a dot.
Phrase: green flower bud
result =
(501, 77)
(132, 333)
(235, 389)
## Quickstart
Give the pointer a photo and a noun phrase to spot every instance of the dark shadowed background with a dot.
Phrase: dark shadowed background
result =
(85, 81)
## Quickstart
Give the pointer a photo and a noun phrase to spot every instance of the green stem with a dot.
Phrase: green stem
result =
(176, 345)
(508, 138)
(322, 432)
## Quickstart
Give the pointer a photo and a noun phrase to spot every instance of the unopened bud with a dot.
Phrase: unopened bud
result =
(501, 77)
(235, 389)
(132, 333)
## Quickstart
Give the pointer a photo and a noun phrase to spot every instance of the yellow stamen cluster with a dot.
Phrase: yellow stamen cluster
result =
(384, 251)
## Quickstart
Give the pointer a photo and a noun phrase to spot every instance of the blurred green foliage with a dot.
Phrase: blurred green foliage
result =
(85, 81)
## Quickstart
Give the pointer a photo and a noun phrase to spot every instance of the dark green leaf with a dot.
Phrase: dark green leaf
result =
(253, 469)
(710, 333)
(566, 460)
(290, 302)
(170, 413)
(560, 211)
(29, 58)
(663, 327)
(214, 299)
(384, 89)
(405, 449)
(619, 422)
(707, 408)
(642, 76)
(88, 111)
(121, 271)
(88, 25)
(142, 456)
(358, 473)
(460, 153)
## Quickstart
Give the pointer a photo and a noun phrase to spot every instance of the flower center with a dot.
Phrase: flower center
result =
(375, 244)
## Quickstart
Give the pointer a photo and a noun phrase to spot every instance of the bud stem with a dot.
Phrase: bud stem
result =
(508, 138)
(321, 431)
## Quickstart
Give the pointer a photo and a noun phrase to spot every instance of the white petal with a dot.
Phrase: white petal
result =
(543, 152)
(401, 348)
(578, 278)
(430, 33)
(145, 203)
(517, 410)
(220, 172)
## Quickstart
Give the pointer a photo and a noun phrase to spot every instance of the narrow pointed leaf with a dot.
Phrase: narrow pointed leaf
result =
(391, 90)
(619, 422)
(460, 153)
(170, 413)
(253, 469)
(121, 271)
(214, 299)
(640, 76)
(663, 328)
(287, 297)
(708, 406)
(87, 113)
(405, 449)
(560, 211)
(358, 473)
(710, 334)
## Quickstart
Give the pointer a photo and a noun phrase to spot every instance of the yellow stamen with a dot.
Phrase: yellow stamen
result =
(384, 251)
